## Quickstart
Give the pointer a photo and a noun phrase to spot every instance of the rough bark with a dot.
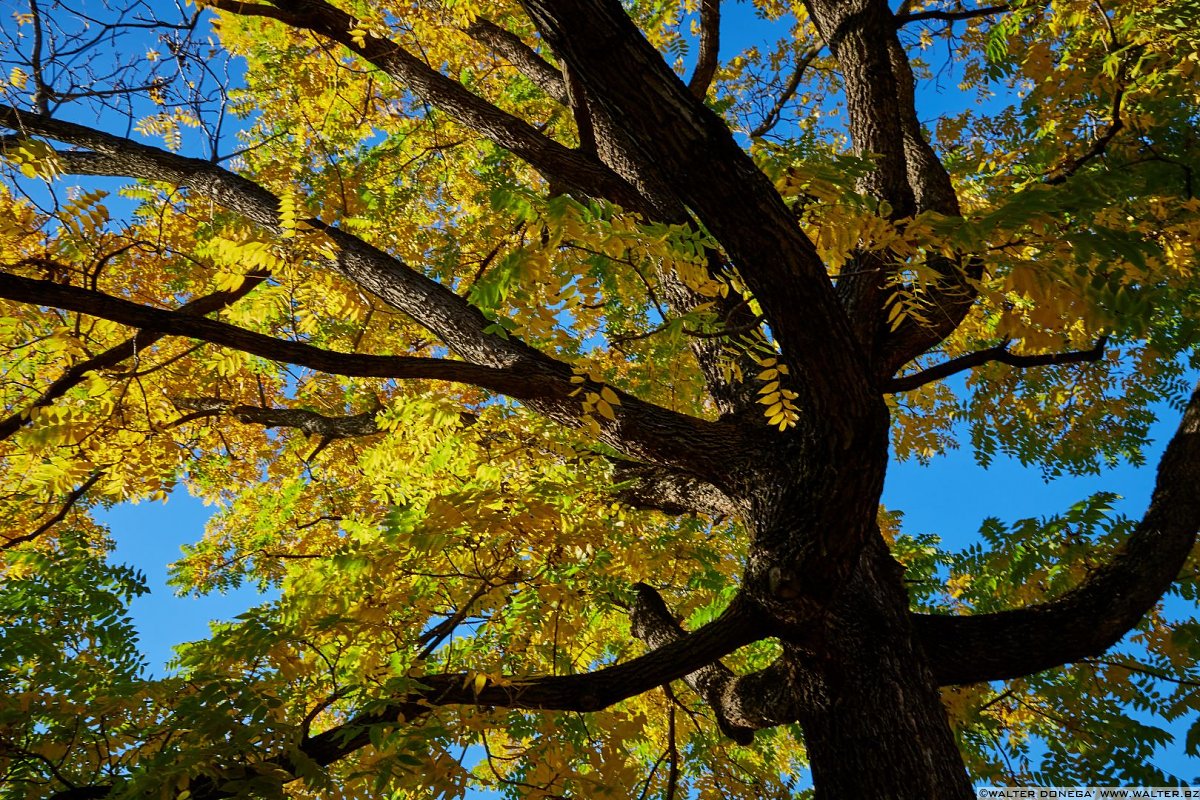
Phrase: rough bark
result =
(882, 732)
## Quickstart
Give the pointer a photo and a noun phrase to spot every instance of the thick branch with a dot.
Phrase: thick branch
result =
(999, 353)
(605, 165)
(98, 304)
(735, 628)
(710, 45)
(742, 704)
(858, 34)
(695, 153)
(581, 111)
(309, 422)
(1092, 617)
(600, 137)
(641, 430)
(520, 55)
(738, 626)
(907, 174)
(114, 355)
(649, 486)
(432, 305)
(560, 165)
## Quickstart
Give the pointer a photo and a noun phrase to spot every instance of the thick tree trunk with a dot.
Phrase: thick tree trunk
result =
(863, 691)
(882, 731)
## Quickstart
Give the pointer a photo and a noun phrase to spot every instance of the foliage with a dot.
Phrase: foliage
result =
(489, 528)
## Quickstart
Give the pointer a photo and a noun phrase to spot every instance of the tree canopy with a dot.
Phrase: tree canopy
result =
(547, 359)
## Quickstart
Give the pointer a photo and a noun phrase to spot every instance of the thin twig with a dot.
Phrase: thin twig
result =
(1097, 147)
(789, 91)
(70, 502)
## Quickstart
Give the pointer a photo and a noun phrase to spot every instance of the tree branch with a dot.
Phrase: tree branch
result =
(743, 704)
(951, 16)
(309, 422)
(114, 355)
(520, 55)
(710, 45)
(431, 639)
(999, 353)
(607, 164)
(69, 503)
(558, 163)
(115, 309)
(649, 486)
(1071, 166)
(1087, 620)
(789, 91)
(448, 316)
(581, 111)
(651, 621)
(907, 174)
(693, 151)
(738, 626)
(598, 136)
(642, 430)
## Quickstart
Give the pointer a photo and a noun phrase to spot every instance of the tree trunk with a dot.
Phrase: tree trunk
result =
(863, 690)
(882, 731)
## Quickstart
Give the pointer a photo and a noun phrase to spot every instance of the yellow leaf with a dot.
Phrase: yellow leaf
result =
(96, 385)
(605, 410)
(287, 214)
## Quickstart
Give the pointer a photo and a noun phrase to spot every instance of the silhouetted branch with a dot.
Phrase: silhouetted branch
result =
(776, 695)
(951, 16)
(86, 301)
(789, 91)
(999, 353)
(114, 355)
(1087, 620)
(309, 422)
(1097, 147)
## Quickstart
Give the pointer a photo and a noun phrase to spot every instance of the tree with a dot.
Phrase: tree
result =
(509, 337)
